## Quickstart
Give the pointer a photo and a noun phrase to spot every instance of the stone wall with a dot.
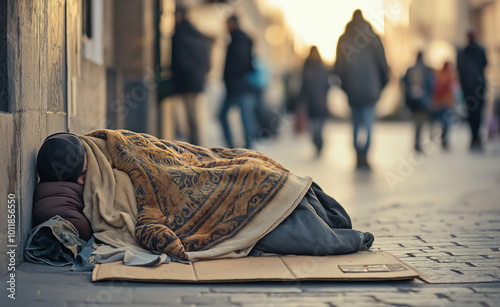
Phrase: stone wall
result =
(7, 179)
(36, 64)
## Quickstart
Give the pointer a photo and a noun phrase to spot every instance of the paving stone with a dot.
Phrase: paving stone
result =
(306, 300)
(247, 298)
(467, 303)
(95, 295)
(286, 305)
(455, 259)
(21, 302)
(81, 304)
(446, 290)
(204, 300)
(414, 299)
(167, 295)
(355, 289)
(239, 289)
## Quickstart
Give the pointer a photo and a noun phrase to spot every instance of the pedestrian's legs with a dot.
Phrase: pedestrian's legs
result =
(260, 110)
(444, 133)
(356, 123)
(419, 119)
(356, 119)
(368, 113)
(316, 126)
(190, 100)
(362, 116)
(474, 118)
(226, 105)
(247, 104)
(443, 115)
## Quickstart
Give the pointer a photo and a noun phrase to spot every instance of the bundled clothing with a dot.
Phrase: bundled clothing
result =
(64, 199)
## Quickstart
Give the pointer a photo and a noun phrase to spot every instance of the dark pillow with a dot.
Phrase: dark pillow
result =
(64, 199)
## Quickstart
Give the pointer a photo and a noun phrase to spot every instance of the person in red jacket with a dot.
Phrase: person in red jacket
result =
(445, 91)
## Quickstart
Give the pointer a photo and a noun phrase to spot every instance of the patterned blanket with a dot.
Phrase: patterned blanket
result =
(196, 203)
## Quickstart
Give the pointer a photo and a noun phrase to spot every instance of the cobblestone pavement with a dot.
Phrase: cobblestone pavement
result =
(438, 212)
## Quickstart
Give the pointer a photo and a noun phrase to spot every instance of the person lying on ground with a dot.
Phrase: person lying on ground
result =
(187, 201)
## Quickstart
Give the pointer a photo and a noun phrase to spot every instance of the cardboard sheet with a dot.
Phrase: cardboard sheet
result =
(362, 266)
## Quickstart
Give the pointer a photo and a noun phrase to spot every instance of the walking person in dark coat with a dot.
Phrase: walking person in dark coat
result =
(238, 89)
(362, 67)
(419, 82)
(190, 64)
(313, 94)
(471, 62)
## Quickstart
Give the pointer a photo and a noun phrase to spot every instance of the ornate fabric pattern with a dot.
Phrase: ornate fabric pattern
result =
(192, 198)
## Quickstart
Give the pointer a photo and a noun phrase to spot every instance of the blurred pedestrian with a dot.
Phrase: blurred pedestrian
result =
(418, 82)
(471, 62)
(239, 91)
(445, 95)
(190, 64)
(259, 78)
(313, 94)
(362, 67)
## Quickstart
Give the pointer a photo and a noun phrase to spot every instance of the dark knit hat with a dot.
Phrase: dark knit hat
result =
(60, 158)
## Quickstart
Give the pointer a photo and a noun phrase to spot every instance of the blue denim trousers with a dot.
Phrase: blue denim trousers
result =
(246, 101)
(362, 117)
(445, 117)
(316, 126)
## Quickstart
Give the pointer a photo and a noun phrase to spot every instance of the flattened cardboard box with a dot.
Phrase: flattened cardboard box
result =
(360, 266)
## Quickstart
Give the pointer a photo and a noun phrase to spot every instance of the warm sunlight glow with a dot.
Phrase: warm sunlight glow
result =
(275, 36)
(321, 22)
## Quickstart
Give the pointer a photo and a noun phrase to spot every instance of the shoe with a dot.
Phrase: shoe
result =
(418, 149)
(366, 166)
(318, 154)
(362, 163)
(476, 147)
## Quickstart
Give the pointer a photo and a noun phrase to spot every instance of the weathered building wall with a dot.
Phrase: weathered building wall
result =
(7, 179)
(60, 80)
(37, 101)
(3, 57)
(27, 62)
(91, 99)
(135, 64)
